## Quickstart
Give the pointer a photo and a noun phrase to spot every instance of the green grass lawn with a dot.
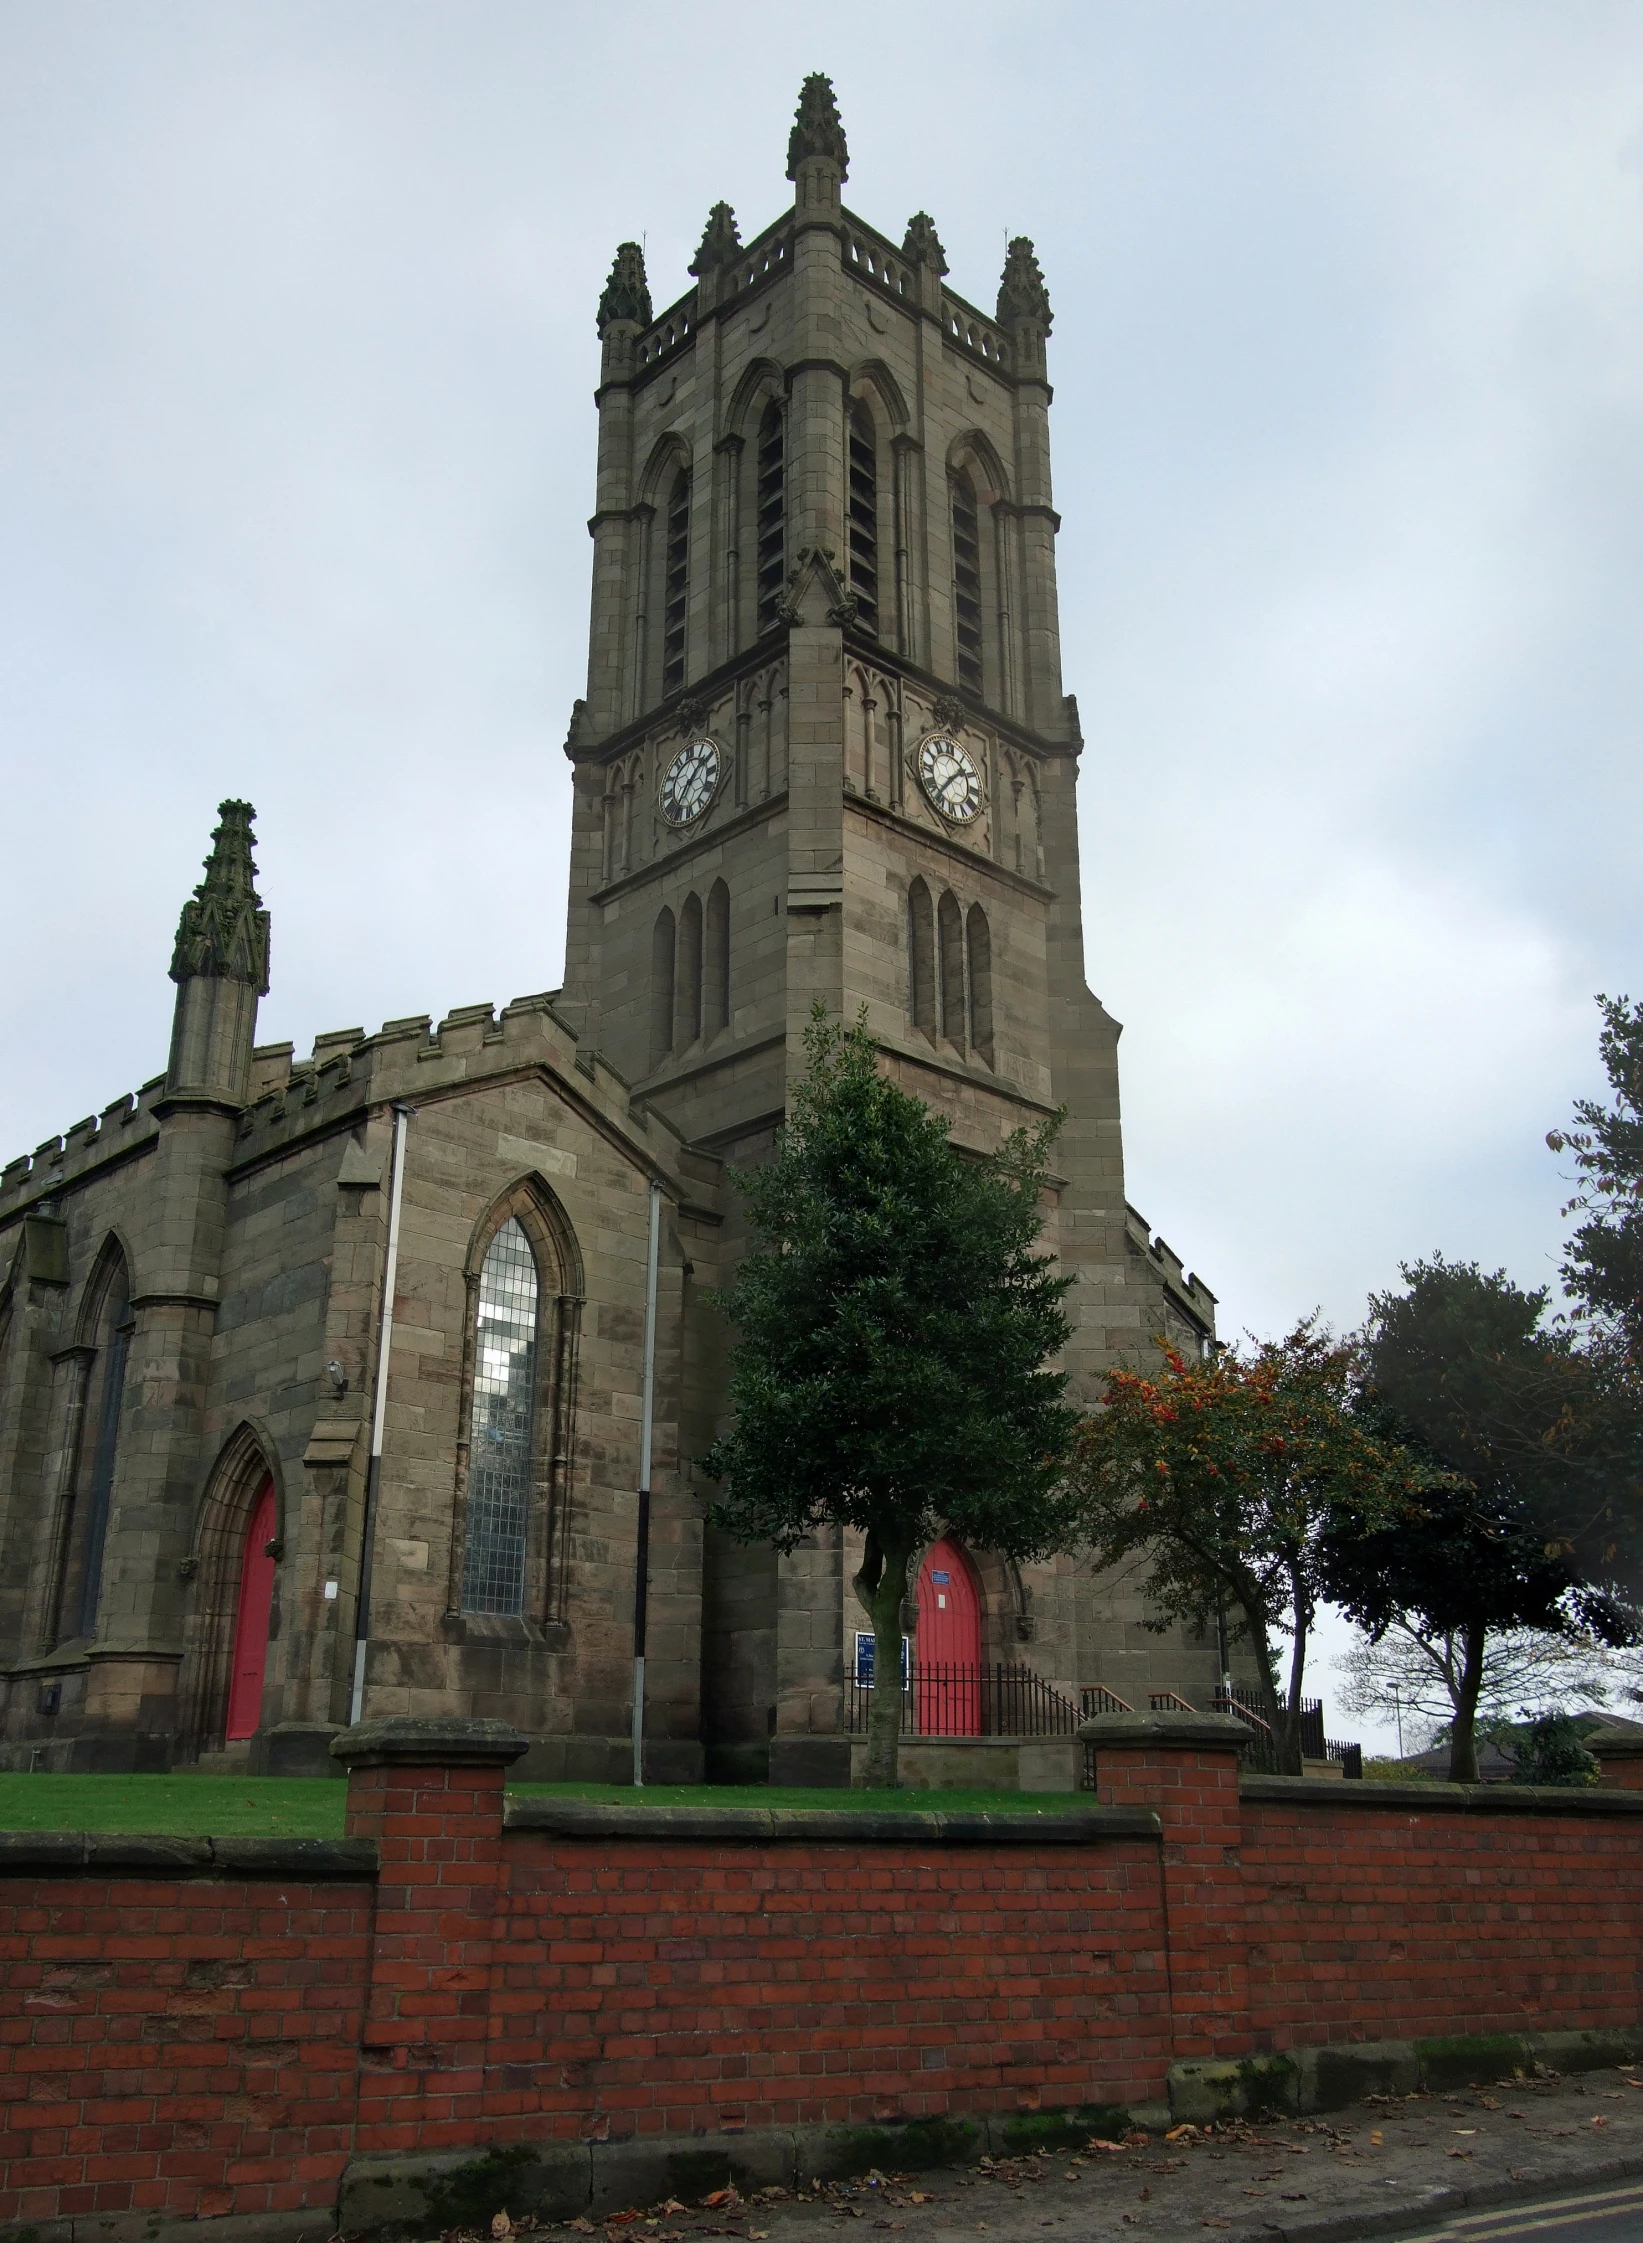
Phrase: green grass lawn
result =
(311, 1807)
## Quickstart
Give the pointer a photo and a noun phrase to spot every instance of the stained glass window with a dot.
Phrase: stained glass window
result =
(499, 1454)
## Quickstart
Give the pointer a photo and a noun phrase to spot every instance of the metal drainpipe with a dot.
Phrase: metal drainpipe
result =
(373, 1473)
(641, 1556)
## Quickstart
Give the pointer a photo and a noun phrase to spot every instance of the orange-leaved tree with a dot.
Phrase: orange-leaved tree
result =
(1225, 1476)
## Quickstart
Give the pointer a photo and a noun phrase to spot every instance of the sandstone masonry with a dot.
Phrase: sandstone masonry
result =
(825, 754)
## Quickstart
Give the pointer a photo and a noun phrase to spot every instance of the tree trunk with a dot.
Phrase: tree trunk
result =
(1463, 1734)
(1291, 1761)
(1255, 1628)
(881, 1585)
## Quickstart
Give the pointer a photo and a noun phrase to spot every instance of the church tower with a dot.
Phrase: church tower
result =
(826, 754)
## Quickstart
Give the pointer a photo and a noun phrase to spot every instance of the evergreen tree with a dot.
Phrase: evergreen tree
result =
(895, 1324)
(1604, 1271)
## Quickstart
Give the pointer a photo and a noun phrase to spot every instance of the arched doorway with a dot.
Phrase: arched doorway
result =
(947, 1687)
(251, 1618)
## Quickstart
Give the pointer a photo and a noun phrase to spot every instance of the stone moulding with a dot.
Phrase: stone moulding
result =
(405, 1742)
(880, 1826)
(96, 1853)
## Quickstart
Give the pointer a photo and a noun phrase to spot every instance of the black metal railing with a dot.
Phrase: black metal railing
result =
(940, 1698)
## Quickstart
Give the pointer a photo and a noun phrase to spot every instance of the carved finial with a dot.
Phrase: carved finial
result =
(223, 932)
(921, 245)
(1022, 295)
(721, 243)
(816, 128)
(626, 295)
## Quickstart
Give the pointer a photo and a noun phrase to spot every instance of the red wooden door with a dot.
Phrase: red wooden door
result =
(251, 1619)
(948, 1699)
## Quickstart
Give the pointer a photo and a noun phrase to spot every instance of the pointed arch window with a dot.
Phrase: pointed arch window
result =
(81, 1580)
(978, 944)
(921, 959)
(770, 501)
(662, 964)
(864, 517)
(966, 582)
(676, 583)
(950, 939)
(687, 1003)
(716, 961)
(501, 1437)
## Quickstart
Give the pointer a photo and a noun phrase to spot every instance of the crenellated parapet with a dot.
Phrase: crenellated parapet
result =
(1184, 1289)
(121, 1131)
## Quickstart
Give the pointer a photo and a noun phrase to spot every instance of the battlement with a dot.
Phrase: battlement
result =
(412, 1058)
(119, 1130)
(1187, 1288)
(346, 1070)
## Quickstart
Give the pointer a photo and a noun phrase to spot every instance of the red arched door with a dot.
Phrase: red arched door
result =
(251, 1619)
(948, 1690)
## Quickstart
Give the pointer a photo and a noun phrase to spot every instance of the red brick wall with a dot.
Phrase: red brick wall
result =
(1392, 1924)
(210, 2040)
(663, 1988)
(176, 2046)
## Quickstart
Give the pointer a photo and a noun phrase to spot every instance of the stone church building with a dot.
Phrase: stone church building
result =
(825, 754)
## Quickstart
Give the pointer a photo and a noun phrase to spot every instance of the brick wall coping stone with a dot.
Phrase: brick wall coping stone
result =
(838, 1826)
(1445, 1798)
(1130, 1729)
(30, 1853)
(408, 1743)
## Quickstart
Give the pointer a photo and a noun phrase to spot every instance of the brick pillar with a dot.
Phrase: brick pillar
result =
(430, 1794)
(1619, 1758)
(1184, 1767)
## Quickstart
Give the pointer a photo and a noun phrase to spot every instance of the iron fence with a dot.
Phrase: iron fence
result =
(943, 1699)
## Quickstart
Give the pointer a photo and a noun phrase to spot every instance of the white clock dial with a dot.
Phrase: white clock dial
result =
(949, 776)
(689, 781)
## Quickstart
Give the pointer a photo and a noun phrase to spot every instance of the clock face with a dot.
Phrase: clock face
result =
(689, 781)
(949, 776)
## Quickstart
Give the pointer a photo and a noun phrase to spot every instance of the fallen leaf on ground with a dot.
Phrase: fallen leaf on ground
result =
(1113, 2149)
(501, 2226)
(1180, 2133)
(720, 2197)
(1378, 2139)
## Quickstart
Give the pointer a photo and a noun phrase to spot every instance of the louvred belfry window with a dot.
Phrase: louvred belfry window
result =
(676, 589)
(864, 518)
(771, 502)
(499, 1454)
(967, 583)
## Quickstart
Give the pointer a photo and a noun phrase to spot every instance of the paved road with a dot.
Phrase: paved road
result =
(1608, 2216)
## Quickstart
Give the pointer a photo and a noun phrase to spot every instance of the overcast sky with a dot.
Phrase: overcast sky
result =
(296, 361)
